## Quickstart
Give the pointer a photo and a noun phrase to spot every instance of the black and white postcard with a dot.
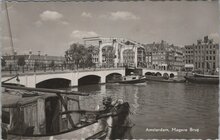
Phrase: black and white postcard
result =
(83, 69)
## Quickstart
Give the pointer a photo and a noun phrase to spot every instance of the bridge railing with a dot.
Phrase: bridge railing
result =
(22, 71)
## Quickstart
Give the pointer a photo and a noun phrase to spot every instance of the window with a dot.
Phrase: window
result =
(5, 116)
(213, 57)
(134, 78)
(213, 65)
(213, 52)
(210, 57)
(207, 58)
(210, 52)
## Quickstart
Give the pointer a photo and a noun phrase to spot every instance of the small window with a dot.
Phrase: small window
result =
(134, 78)
(5, 117)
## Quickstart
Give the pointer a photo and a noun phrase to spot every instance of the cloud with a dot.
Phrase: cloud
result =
(120, 15)
(38, 23)
(81, 34)
(215, 37)
(50, 16)
(86, 15)
(64, 22)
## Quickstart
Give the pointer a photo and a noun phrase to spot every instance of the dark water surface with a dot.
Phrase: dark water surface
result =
(168, 106)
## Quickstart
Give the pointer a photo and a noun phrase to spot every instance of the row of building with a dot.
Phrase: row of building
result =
(31, 61)
(203, 56)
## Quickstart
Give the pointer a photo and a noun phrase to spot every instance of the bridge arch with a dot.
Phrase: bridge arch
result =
(54, 83)
(148, 73)
(112, 77)
(158, 74)
(89, 80)
(171, 75)
(103, 45)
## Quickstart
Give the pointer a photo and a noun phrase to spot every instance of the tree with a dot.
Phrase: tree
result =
(52, 64)
(76, 55)
(88, 61)
(21, 62)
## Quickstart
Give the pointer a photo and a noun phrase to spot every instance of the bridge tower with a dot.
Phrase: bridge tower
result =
(119, 45)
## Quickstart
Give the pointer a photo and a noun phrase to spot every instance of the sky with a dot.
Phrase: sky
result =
(50, 27)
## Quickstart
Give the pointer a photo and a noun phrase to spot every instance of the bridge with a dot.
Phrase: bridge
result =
(64, 79)
(159, 72)
(119, 45)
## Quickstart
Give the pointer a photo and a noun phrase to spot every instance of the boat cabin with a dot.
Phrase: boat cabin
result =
(38, 113)
(130, 77)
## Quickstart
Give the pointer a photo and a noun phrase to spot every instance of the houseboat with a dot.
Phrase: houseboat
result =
(164, 79)
(203, 79)
(132, 79)
(29, 113)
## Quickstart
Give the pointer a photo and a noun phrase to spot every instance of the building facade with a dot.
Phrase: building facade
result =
(32, 61)
(203, 56)
(164, 56)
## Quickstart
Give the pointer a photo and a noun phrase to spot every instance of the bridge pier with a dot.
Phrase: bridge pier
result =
(103, 80)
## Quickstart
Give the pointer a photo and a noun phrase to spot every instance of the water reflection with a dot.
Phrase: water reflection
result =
(163, 105)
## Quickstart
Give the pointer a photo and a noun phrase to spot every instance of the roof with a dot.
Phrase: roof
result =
(14, 98)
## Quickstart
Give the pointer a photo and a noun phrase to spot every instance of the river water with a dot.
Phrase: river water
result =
(168, 106)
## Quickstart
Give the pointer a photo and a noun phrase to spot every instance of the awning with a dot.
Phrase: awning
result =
(189, 66)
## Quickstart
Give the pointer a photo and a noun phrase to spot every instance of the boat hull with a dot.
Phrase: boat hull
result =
(94, 131)
(206, 76)
(133, 81)
(202, 80)
(161, 79)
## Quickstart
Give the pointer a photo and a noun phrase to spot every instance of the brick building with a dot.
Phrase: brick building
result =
(163, 56)
(203, 56)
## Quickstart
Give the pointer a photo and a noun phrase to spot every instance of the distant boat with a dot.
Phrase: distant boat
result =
(164, 79)
(132, 79)
(207, 76)
(203, 79)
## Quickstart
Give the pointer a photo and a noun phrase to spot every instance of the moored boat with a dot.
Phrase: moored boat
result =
(46, 116)
(203, 79)
(205, 76)
(164, 79)
(132, 79)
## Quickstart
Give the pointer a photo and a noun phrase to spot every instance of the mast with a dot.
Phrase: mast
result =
(10, 34)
